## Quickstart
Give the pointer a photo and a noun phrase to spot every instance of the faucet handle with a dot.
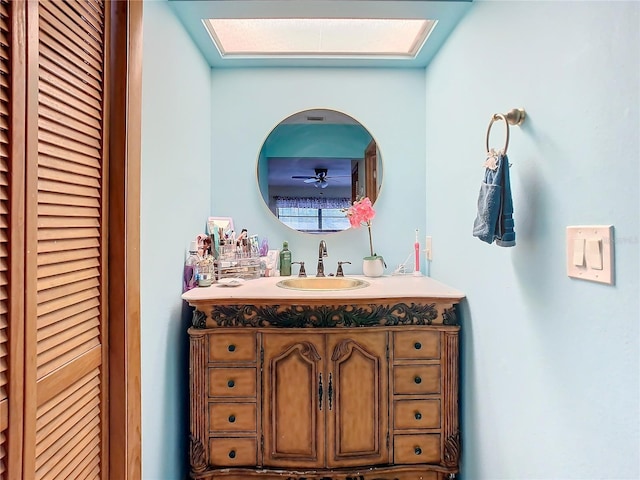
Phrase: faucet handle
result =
(339, 272)
(302, 272)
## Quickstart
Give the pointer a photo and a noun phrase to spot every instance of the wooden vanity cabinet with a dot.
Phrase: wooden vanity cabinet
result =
(324, 389)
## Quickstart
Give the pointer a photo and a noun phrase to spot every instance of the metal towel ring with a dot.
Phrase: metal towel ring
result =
(513, 117)
(499, 116)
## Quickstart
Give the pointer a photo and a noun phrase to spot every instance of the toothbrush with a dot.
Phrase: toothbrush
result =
(416, 247)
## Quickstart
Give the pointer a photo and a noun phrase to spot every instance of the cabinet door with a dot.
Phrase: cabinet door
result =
(293, 409)
(357, 388)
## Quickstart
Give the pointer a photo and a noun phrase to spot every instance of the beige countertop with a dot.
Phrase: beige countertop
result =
(401, 286)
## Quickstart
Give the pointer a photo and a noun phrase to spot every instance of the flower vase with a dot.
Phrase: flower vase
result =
(373, 266)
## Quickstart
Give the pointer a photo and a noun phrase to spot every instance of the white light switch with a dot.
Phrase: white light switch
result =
(578, 252)
(594, 253)
(590, 253)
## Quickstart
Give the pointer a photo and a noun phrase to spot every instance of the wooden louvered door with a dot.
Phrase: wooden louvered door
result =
(55, 199)
(12, 236)
(65, 425)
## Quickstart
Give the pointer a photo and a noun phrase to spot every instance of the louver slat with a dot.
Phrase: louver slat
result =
(63, 245)
(53, 234)
(63, 178)
(67, 256)
(69, 241)
(72, 200)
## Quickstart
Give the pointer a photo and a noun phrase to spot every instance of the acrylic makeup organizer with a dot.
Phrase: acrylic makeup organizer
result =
(233, 262)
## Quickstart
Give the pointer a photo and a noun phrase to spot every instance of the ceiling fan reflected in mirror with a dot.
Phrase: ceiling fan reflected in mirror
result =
(320, 178)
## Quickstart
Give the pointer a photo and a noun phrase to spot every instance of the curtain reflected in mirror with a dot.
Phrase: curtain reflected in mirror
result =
(314, 165)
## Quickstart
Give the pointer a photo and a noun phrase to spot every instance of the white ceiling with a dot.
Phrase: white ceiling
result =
(447, 13)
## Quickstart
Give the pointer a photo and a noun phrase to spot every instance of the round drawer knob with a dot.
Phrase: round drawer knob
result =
(418, 380)
(418, 416)
(417, 451)
(232, 454)
(232, 418)
(417, 345)
(231, 348)
(231, 384)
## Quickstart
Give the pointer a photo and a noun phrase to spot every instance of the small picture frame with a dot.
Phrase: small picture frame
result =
(220, 228)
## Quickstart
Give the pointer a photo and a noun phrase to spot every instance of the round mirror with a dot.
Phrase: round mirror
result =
(313, 165)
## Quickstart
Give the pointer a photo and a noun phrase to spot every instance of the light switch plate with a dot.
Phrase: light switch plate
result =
(593, 244)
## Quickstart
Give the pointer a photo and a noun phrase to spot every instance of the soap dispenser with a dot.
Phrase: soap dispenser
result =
(285, 260)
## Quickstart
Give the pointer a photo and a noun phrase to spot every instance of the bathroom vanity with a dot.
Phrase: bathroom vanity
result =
(323, 383)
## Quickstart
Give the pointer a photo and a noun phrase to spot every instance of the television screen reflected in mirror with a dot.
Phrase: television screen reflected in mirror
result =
(314, 165)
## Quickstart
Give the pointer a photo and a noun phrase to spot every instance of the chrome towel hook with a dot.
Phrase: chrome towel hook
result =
(514, 116)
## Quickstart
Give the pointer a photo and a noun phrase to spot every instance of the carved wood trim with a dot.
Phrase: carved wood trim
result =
(309, 352)
(451, 431)
(198, 399)
(197, 454)
(319, 316)
(306, 349)
(450, 316)
(199, 319)
(342, 349)
(452, 450)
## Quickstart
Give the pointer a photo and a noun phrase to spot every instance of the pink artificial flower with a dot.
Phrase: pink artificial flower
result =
(361, 213)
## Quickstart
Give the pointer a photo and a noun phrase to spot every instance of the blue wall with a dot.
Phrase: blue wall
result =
(248, 103)
(175, 199)
(550, 364)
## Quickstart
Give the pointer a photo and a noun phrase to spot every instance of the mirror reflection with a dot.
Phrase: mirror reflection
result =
(313, 165)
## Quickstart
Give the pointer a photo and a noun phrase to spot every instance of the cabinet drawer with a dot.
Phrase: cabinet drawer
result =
(419, 379)
(416, 345)
(232, 452)
(232, 417)
(416, 413)
(416, 448)
(232, 382)
(239, 347)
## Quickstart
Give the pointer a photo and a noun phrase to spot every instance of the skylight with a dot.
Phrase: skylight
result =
(319, 37)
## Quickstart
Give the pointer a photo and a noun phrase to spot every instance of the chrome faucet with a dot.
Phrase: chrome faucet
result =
(322, 252)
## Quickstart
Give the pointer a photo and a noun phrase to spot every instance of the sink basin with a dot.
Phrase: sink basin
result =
(322, 283)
